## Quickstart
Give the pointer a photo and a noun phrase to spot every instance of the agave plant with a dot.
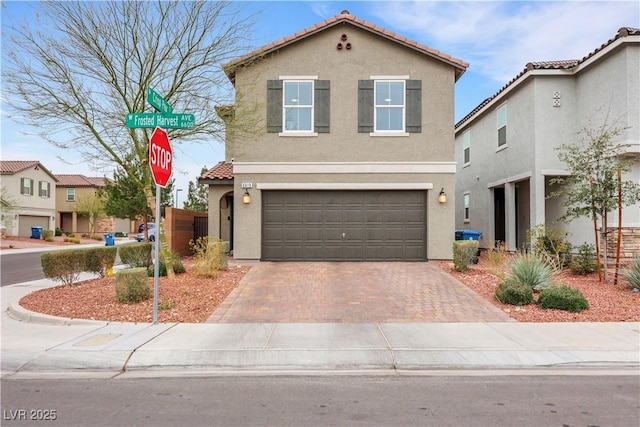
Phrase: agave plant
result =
(633, 275)
(531, 270)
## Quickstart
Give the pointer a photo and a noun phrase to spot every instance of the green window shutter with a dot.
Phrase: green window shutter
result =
(274, 106)
(414, 106)
(322, 106)
(365, 106)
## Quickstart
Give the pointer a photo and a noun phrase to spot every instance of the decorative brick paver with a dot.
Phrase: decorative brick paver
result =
(353, 292)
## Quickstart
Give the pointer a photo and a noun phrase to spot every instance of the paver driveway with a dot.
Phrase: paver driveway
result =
(353, 292)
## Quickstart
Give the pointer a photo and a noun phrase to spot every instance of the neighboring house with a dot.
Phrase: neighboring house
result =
(27, 199)
(70, 189)
(353, 146)
(505, 148)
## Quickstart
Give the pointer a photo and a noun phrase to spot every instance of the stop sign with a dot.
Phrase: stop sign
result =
(160, 157)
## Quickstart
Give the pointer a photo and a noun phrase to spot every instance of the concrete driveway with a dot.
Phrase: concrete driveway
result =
(353, 292)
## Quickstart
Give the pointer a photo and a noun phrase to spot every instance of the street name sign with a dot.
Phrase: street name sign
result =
(158, 102)
(165, 121)
(160, 157)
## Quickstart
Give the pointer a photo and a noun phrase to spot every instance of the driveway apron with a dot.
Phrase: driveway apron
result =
(353, 292)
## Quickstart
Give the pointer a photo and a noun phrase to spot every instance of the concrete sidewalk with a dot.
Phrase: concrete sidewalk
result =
(37, 345)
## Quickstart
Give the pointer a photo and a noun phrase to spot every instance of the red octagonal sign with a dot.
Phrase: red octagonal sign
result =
(160, 157)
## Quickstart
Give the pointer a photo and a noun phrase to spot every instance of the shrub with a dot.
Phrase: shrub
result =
(465, 252)
(96, 237)
(532, 271)
(47, 235)
(510, 291)
(563, 298)
(633, 275)
(585, 261)
(72, 240)
(136, 255)
(132, 285)
(64, 266)
(210, 256)
(99, 260)
(178, 268)
(58, 232)
(551, 245)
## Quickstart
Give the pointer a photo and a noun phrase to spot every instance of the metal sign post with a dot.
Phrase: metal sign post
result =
(156, 261)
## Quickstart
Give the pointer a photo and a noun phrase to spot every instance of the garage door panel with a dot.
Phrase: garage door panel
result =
(377, 225)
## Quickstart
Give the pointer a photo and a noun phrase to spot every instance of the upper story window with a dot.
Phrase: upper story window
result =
(389, 108)
(26, 186)
(298, 106)
(502, 126)
(71, 194)
(45, 189)
(389, 105)
(466, 147)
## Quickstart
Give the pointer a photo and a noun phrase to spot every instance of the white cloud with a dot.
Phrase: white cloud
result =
(499, 38)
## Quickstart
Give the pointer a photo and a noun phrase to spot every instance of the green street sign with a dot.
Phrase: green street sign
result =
(164, 121)
(158, 102)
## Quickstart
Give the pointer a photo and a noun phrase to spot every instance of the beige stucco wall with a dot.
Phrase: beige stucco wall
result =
(345, 156)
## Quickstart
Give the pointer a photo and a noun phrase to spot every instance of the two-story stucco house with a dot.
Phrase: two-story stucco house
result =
(27, 198)
(70, 189)
(506, 147)
(353, 145)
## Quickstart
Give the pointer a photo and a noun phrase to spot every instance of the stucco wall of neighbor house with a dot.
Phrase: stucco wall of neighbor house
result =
(440, 221)
(318, 56)
(29, 205)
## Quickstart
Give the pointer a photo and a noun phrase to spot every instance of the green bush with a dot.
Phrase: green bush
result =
(532, 271)
(633, 274)
(47, 235)
(551, 245)
(132, 285)
(72, 240)
(178, 268)
(210, 256)
(136, 255)
(510, 291)
(64, 266)
(99, 260)
(585, 261)
(58, 232)
(563, 298)
(465, 253)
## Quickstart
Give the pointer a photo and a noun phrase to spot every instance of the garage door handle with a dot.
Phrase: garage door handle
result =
(343, 235)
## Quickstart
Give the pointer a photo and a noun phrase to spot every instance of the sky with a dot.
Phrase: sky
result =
(496, 38)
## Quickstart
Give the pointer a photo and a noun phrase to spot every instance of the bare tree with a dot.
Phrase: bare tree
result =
(83, 66)
(92, 206)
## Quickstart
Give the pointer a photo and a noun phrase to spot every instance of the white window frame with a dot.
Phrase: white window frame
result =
(71, 194)
(44, 189)
(466, 196)
(500, 125)
(26, 186)
(466, 148)
(402, 107)
(285, 106)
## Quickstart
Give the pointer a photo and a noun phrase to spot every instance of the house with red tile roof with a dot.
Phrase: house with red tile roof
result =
(506, 147)
(340, 147)
(71, 188)
(27, 198)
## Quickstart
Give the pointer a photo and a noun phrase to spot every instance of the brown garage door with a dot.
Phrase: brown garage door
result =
(343, 226)
(28, 221)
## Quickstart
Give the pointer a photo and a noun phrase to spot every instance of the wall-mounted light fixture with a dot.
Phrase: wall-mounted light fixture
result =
(442, 197)
(246, 197)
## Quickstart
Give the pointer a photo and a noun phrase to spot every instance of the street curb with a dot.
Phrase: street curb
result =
(16, 311)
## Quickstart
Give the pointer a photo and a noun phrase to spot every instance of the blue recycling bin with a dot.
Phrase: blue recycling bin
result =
(110, 241)
(468, 235)
(36, 232)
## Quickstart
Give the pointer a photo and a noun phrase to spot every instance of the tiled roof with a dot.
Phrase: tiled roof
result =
(345, 16)
(569, 65)
(222, 170)
(79, 181)
(9, 167)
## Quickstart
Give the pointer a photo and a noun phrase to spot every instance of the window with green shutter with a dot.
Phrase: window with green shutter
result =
(298, 106)
(389, 106)
(26, 186)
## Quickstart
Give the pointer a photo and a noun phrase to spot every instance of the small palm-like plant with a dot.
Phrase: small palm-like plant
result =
(633, 275)
(531, 270)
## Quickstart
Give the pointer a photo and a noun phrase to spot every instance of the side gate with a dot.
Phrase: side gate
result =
(200, 227)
